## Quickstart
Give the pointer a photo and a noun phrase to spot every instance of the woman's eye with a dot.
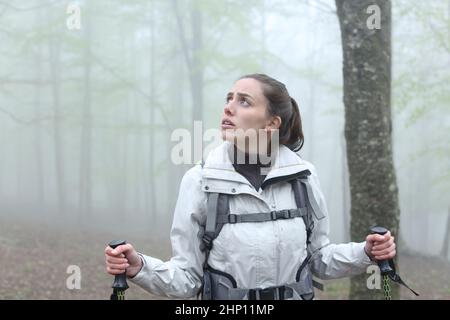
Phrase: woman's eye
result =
(244, 102)
(227, 99)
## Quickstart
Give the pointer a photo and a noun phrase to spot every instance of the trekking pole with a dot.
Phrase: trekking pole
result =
(120, 281)
(387, 269)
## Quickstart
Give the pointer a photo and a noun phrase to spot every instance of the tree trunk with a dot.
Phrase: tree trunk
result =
(121, 197)
(175, 172)
(197, 65)
(55, 72)
(367, 96)
(193, 57)
(38, 128)
(85, 193)
(194, 63)
(151, 196)
(136, 136)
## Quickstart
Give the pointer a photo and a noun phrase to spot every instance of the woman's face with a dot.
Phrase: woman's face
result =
(246, 108)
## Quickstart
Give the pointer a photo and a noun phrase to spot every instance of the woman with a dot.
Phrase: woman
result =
(282, 235)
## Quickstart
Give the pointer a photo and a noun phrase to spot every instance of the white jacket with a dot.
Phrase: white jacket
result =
(257, 255)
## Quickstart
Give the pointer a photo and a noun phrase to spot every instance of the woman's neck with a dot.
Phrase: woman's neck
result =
(243, 157)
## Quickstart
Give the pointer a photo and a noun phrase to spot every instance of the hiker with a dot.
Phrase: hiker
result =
(251, 229)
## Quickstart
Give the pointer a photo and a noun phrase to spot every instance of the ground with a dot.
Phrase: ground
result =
(34, 262)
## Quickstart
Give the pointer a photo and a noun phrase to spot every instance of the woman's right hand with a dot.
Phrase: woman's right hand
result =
(121, 259)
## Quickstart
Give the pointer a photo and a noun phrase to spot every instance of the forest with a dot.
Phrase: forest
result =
(94, 95)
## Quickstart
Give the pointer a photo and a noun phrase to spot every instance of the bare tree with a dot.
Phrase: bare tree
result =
(40, 187)
(85, 189)
(150, 185)
(193, 55)
(54, 47)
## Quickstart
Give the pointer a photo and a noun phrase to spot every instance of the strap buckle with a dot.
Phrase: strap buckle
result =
(232, 218)
(286, 214)
(207, 240)
(281, 214)
(268, 294)
(271, 293)
(273, 215)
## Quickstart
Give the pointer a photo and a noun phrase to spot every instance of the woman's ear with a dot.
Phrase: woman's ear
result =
(273, 123)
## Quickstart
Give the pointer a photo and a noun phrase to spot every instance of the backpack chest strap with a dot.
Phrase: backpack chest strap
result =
(263, 216)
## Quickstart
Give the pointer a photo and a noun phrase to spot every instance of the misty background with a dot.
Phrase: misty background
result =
(86, 114)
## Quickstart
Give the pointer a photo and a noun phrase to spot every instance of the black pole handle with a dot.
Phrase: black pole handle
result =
(120, 280)
(384, 265)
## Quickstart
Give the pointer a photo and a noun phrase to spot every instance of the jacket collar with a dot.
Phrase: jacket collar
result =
(286, 164)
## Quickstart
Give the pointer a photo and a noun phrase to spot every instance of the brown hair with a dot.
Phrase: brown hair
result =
(283, 105)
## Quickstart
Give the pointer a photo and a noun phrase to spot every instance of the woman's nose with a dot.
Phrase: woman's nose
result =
(228, 109)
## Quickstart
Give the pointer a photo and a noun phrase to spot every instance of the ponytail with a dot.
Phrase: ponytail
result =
(295, 138)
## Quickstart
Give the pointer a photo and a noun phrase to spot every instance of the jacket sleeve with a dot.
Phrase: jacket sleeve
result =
(181, 276)
(329, 260)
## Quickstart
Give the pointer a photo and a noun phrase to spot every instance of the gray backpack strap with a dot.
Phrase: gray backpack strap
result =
(262, 216)
(312, 200)
(302, 202)
(211, 217)
(217, 207)
(304, 197)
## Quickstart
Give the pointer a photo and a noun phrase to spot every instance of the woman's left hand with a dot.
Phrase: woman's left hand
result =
(380, 247)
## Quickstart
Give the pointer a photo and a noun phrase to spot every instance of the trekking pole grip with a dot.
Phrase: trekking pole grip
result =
(120, 280)
(384, 265)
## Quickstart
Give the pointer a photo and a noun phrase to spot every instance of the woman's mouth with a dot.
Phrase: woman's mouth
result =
(227, 124)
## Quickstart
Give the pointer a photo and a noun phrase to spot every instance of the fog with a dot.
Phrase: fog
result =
(91, 92)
